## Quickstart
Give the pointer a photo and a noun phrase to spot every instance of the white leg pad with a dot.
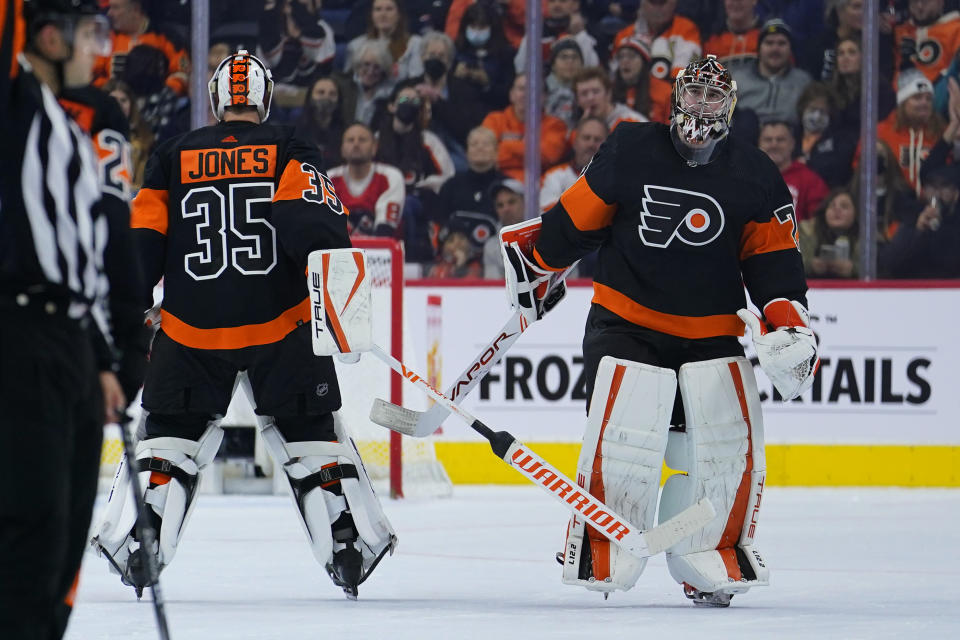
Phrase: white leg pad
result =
(620, 463)
(180, 459)
(320, 509)
(722, 453)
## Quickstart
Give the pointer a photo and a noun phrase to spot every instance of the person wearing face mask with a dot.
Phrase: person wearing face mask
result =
(484, 58)
(296, 44)
(454, 103)
(825, 146)
(321, 121)
(511, 14)
(404, 141)
(561, 19)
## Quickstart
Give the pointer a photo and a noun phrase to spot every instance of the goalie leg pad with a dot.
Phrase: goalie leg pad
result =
(338, 508)
(722, 453)
(169, 471)
(620, 463)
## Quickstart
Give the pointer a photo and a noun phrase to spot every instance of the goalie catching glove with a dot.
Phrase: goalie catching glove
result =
(788, 354)
(532, 290)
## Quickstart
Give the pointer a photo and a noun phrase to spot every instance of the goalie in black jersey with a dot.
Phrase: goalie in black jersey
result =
(227, 216)
(683, 216)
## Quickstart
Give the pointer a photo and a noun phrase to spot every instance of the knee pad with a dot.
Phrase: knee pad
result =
(620, 463)
(169, 470)
(348, 532)
(722, 455)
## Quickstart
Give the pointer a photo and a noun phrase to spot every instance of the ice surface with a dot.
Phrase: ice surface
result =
(845, 564)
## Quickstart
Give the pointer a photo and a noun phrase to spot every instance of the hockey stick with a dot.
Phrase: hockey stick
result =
(420, 424)
(145, 533)
(618, 530)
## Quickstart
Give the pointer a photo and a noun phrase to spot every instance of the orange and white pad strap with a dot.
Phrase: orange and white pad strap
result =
(620, 463)
(340, 301)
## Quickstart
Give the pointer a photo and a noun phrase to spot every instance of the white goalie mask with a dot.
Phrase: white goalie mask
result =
(704, 96)
(241, 80)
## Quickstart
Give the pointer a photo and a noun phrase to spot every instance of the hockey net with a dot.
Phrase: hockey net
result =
(398, 466)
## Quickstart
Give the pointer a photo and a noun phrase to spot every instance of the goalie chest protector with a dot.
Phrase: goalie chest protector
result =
(677, 243)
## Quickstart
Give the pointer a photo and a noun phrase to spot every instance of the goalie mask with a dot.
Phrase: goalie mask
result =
(704, 96)
(241, 80)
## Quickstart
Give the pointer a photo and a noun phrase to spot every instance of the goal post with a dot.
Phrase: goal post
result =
(407, 467)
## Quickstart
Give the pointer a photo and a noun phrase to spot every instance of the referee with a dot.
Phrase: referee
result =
(53, 291)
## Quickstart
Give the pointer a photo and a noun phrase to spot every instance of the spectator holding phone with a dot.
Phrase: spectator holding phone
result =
(927, 246)
(828, 241)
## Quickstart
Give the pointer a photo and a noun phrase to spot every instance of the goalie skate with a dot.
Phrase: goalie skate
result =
(717, 599)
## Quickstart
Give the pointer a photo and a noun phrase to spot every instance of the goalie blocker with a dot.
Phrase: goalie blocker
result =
(340, 301)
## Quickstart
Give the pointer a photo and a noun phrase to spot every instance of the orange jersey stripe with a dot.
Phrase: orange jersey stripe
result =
(149, 210)
(543, 263)
(586, 209)
(692, 327)
(734, 526)
(293, 183)
(236, 337)
(600, 545)
(764, 237)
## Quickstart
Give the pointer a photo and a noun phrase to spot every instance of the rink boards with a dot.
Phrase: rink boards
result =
(885, 409)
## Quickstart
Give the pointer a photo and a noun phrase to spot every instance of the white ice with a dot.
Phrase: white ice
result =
(845, 564)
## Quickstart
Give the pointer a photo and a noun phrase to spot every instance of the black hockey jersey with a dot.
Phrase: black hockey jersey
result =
(677, 243)
(227, 216)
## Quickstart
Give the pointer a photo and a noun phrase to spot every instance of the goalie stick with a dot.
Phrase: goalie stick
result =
(617, 529)
(145, 533)
(420, 424)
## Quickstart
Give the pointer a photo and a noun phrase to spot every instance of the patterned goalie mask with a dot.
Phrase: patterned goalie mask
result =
(704, 96)
(241, 80)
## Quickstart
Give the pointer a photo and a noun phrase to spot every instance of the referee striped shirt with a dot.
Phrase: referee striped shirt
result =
(52, 236)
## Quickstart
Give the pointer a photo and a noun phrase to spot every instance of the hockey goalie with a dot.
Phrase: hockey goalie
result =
(237, 311)
(682, 217)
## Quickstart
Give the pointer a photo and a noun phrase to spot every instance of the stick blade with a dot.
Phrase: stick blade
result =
(686, 523)
(396, 418)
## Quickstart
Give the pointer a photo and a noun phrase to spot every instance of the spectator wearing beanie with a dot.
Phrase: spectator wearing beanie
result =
(914, 127)
(566, 61)
(635, 86)
(772, 86)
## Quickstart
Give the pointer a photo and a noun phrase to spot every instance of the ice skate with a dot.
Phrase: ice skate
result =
(703, 599)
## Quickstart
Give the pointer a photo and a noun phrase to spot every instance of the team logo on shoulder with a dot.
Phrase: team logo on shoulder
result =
(693, 218)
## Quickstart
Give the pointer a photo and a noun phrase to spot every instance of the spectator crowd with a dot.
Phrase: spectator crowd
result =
(419, 107)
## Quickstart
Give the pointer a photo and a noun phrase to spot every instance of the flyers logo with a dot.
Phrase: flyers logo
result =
(691, 217)
(660, 67)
